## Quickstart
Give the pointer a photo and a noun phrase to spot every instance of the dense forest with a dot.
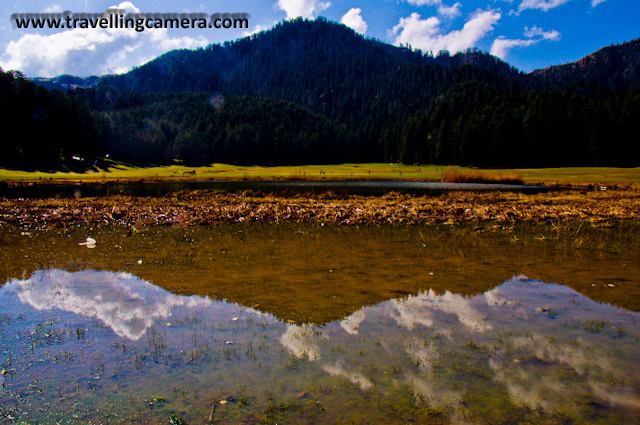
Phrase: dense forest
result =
(317, 92)
(44, 129)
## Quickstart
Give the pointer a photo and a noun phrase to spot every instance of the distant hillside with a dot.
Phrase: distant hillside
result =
(615, 67)
(66, 82)
(316, 91)
(320, 65)
(44, 129)
(296, 52)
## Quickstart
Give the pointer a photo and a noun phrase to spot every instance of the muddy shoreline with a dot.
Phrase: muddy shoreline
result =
(203, 207)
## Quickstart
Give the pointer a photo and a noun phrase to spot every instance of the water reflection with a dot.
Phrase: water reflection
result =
(525, 346)
(126, 304)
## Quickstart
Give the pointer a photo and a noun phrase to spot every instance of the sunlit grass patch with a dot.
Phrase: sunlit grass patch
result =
(480, 176)
(115, 171)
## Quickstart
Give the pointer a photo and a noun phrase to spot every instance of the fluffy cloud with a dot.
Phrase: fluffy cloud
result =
(304, 8)
(426, 34)
(502, 46)
(350, 324)
(537, 31)
(449, 11)
(354, 20)
(594, 3)
(342, 369)
(542, 4)
(443, 10)
(91, 51)
(302, 340)
(54, 8)
(259, 28)
(425, 2)
(121, 301)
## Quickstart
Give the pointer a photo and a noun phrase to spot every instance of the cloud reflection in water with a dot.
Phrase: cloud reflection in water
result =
(541, 346)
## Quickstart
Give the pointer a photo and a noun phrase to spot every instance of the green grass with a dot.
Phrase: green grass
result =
(582, 175)
(597, 175)
(225, 171)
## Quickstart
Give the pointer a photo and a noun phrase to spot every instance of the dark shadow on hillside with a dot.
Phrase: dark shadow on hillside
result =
(74, 166)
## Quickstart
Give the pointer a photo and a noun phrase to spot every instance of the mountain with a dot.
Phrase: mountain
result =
(44, 129)
(66, 82)
(316, 91)
(292, 51)
(615, 67)
(321, 65)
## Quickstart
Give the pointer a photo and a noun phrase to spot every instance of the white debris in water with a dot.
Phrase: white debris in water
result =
(89, 243)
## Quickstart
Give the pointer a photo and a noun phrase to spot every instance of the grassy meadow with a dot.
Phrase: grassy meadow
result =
(117, 171)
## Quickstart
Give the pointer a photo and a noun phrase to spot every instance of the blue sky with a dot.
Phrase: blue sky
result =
(528, 34)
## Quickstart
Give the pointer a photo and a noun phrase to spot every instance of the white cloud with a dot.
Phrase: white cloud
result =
(425, 2)
(259, 28)
(54, 8)
(341, 369)
(91, 51)
(123, 302)
(443, 10)
(449, 11)
(542, 4)
(350, 324)
(302, 340)
(537, 31)
(303, 8)
(426, 34)
(594, 3)
(501, 45)
(354, 20)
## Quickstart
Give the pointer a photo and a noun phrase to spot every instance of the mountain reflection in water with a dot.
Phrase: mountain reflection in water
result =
(525, 345)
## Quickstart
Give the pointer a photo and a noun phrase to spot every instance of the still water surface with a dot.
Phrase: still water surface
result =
(369, 325)
(351, 187)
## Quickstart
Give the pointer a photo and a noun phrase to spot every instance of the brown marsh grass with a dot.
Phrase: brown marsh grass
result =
(473, 176)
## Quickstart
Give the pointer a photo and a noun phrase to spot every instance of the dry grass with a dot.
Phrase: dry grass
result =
(194, 208)
(473, 176)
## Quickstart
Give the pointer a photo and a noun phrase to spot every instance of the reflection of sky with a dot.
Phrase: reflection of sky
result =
(545, 345)
(302, 340)
(126, 304)
(537, 340)
(340, 368)
(422, 309)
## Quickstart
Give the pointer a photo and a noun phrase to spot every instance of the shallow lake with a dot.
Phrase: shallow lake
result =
(320, 324)
(351, 187)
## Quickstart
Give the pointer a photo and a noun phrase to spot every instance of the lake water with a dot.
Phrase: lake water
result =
(351, 187)
(320, 324)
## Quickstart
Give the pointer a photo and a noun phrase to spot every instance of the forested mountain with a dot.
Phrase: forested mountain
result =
(43, 129)
(202, 128)
(311, 56)
(614, 67)
(315, 91)
(66, 82)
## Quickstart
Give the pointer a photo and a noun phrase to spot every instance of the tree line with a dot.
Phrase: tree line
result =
(316, 92)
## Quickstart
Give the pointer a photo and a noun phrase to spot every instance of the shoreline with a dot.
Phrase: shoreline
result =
(204, 207)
